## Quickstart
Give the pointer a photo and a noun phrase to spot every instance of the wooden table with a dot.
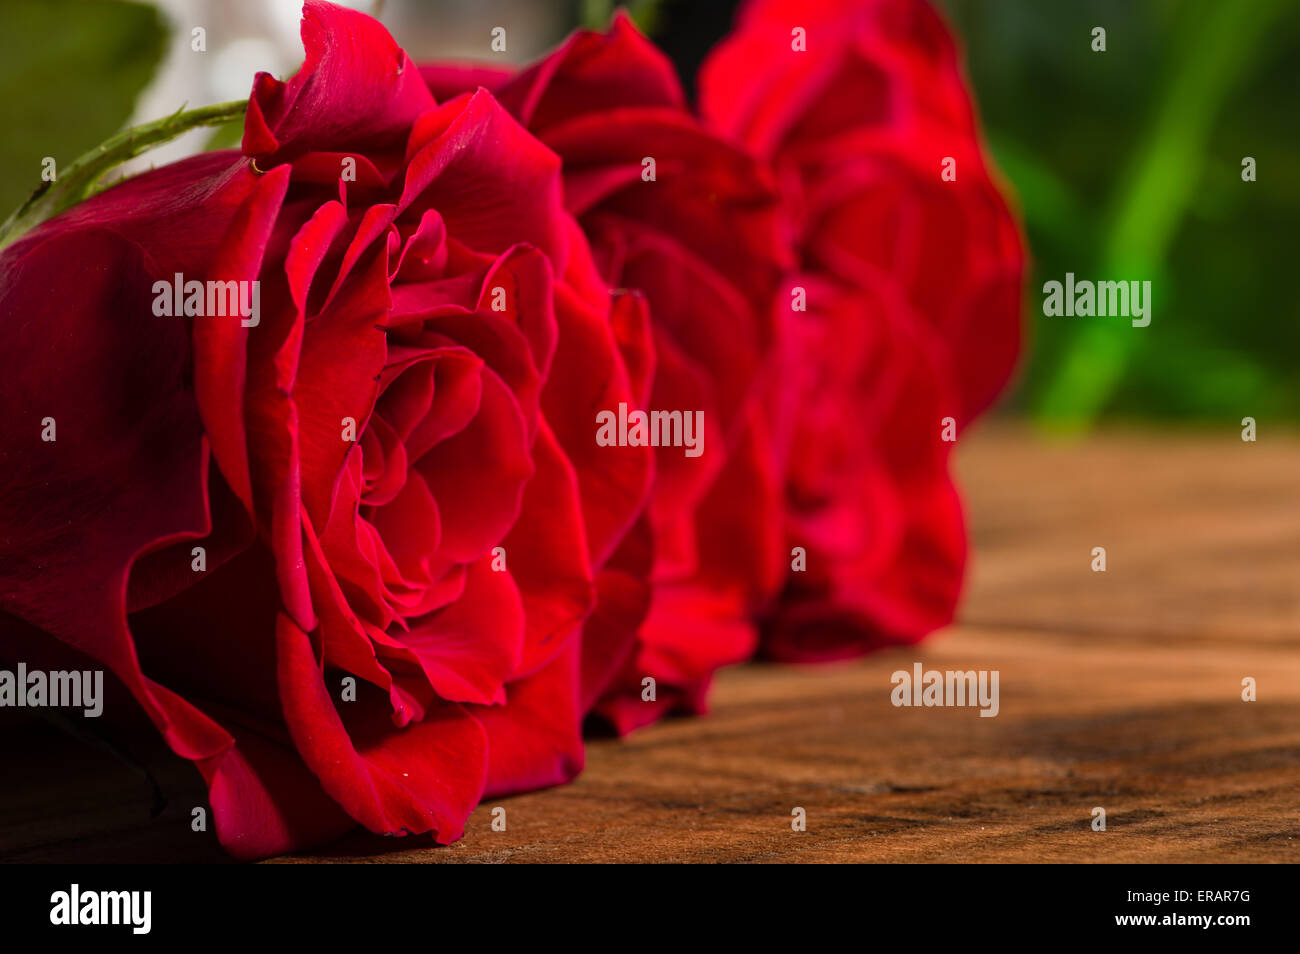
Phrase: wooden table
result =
(1119, 690)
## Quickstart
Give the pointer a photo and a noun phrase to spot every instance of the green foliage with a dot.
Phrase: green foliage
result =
(70, 72)
(228, 135)
(80, 178)
(1128, 166)
(595, 14)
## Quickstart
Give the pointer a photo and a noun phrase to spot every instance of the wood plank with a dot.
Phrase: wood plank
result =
(1120, 690)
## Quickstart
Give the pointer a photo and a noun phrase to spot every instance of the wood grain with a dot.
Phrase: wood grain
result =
(1119, 689)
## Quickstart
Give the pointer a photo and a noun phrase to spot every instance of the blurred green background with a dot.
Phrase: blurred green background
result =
(1127, 165)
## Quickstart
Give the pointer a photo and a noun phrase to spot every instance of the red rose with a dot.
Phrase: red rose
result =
(694, 225)
(911, 265)
(389, 467)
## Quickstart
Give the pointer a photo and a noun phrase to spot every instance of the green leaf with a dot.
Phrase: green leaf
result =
(226, 136)
(596, 14)
(77, 180)
(70, 72)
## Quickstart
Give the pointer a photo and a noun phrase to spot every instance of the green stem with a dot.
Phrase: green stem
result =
(78, 179)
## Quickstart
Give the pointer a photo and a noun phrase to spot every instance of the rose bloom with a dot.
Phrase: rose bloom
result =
(911, 265)
(702, 236)
(392, 475)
